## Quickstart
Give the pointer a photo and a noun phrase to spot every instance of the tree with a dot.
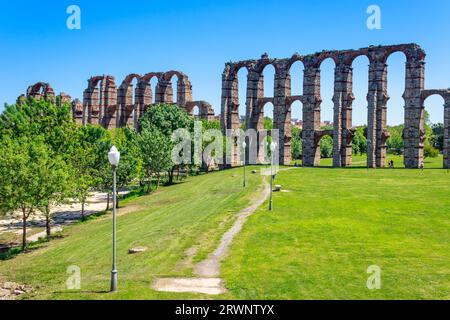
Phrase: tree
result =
(167, 118)
(326, 147)
(47, 130)
(268, 123)
(21, 163)
(359, 142)
(155, 150)
(52, 121)
(395, 140)
(125, 139)
(55, 187)
(85, 162)
(437, 138)
(296, 142)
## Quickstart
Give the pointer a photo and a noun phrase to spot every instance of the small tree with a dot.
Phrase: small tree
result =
(167, 118)
(84, 160)
(296, 143)
(21, 163)
(359, 142)
(55, 186)
(155, 149)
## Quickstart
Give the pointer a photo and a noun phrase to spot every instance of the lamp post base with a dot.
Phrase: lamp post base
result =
(114, 281)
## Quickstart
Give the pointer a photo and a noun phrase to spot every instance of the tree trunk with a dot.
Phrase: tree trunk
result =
(157, 181)
(47, 221)
(107, 201)
(82, 210)
(171, 176)
(24, 230)
(117, 199)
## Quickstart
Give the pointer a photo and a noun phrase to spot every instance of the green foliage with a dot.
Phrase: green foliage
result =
(166, 119)
(155, 151)
(429, 151)
(326, 147)
(395, 140)
(28, 169)
(268, 123)
(359, 142)
(296, 143)
(32, 118)
(437, 138)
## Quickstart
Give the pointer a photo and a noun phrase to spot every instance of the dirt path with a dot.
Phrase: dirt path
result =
(208, 279)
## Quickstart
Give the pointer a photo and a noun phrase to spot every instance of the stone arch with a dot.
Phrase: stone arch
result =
(129, 101)
(41, 90)
(206, 111)
(164, 89)
(445, 95)
(146, 91)
(100, 101)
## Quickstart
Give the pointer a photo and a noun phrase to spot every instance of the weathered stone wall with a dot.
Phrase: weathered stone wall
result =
(343, 97)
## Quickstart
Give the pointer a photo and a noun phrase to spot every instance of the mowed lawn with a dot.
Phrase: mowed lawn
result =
(194, 213)
(332, 224)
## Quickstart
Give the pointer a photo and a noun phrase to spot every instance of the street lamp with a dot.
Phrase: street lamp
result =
(114, 157)
(244, 146)
(273, 146)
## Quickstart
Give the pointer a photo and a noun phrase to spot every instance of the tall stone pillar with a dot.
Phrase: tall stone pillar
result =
(184, 91)
(230, 116)
(143, 98)
(376, 121)
(91, 103)
(164, 91)
(282, 111)
(311, 113)
(413, 134)
(108, 102)
(343, 100)
(255, 116)
(447, 133)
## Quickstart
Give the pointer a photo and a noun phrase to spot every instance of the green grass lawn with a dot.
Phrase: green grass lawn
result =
(361, 161)
(334, 223)
(323, 234)
(193, 213)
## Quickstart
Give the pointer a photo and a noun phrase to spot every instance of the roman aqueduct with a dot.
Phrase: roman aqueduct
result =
(377, 97)
(110, 106)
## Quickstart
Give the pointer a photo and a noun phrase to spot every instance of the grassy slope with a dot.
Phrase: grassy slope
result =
(334, 223)
(193, 213)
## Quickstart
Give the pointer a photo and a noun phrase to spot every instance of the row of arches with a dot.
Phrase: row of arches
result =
(247, 81)
(110, 106)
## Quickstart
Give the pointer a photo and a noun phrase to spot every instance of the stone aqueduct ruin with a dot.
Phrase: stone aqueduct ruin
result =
(377, 97)
(110, 106)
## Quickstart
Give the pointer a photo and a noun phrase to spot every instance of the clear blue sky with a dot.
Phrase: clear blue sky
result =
(198, 37)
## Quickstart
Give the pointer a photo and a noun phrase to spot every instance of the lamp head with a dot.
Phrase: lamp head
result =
(114, 156)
